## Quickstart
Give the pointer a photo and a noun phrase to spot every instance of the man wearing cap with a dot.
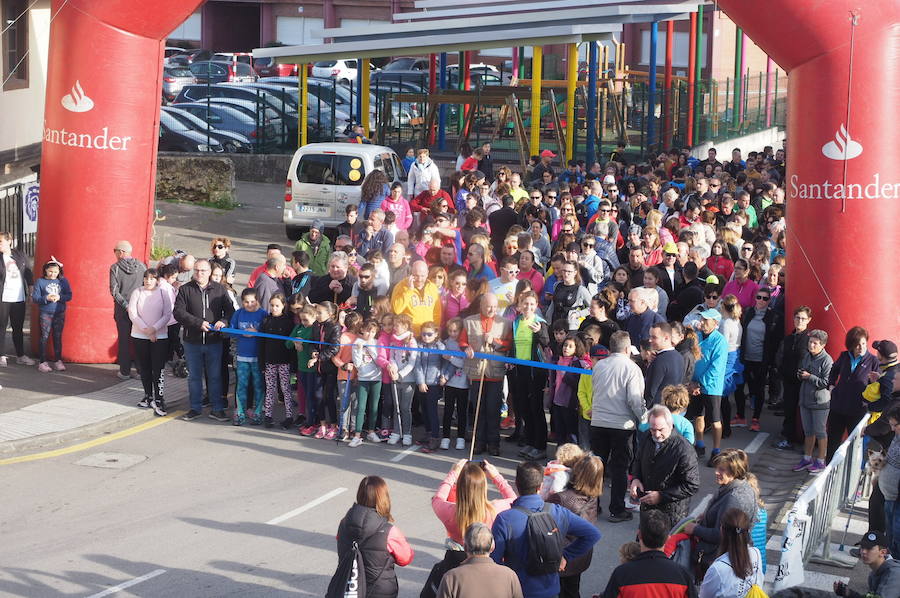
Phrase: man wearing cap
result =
(884, 580)
(671, 280)
(689, 296)
(546, 158)
(709, 381)
(317, 245)
(125, 276)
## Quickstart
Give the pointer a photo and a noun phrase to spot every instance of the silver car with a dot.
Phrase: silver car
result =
(174, 79)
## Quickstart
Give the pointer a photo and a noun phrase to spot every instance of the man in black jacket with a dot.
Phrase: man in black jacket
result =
(502, 220)
(337, 285)
(203, 307)
(665, 471)
(667, 366)
(793, 349)
(690, 295)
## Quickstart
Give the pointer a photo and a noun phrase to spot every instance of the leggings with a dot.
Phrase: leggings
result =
(278, 374)
(249, 385)
(327, 407)
(527, 388)
(368, 395)
(458, 397)
(14, 314)
(52, 323)
(404, 392)
(755, 375)
(151, 359)
(309, 382)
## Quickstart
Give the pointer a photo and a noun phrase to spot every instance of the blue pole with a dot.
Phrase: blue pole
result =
(592, 104)
(651, 88)
(442, 111)
(359, 114)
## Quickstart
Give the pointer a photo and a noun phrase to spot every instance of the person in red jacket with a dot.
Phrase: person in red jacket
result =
(422, 202)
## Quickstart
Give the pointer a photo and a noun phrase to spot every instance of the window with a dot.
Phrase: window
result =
(384, 163)
(315, 169)
(15, 44)
(350, 170)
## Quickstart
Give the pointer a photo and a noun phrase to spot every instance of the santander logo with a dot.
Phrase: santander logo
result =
(77, 100)
(842, 147)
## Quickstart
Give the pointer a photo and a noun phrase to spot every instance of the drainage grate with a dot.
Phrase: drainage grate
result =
(111, 460)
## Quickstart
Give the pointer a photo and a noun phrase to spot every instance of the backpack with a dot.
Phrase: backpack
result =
(349, 580)
(545, 542)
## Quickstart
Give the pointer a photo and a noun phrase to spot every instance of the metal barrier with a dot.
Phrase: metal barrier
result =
(12, 217)
(807, 533)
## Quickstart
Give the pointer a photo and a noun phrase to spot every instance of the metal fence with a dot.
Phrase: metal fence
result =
(12, 217)
(807, 533)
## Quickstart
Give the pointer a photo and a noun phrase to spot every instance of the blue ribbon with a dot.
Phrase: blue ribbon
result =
(500, 358)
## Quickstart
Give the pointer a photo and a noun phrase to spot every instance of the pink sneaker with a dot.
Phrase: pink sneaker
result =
(331, 433)
(44, 367)
(320, 433)
(59, 366)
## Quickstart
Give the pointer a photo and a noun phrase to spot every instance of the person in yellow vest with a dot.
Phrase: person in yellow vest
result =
(417, 297)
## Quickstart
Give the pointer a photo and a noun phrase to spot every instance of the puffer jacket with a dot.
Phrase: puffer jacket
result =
(381, 546)
(432, 366)
(814, 393)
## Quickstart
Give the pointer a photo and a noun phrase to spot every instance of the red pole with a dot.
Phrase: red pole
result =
(432, 87)
(692, 60)
(467, 78)
(667, 93)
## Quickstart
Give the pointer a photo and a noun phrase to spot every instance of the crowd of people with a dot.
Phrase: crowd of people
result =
(644, 304)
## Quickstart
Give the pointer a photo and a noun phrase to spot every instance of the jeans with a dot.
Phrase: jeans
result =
(368, 396)
(347, 398)
(202, 359)
(487, 427)
(892, 525)
(249, 377)
(52, 323)
(151, 359)
(615, 448)
(309, 382)
(14, 313)
(123, 328)
(432, 423)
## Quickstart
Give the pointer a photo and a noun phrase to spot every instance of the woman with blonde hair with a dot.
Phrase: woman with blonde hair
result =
(370, 525)
(731, 329)
(580, 497)
(653, 251)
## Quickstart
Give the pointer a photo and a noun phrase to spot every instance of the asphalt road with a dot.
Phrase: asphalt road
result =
(208, 509)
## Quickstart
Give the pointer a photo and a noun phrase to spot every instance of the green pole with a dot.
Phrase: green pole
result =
(698, 65)
(461, 87)
(738, 83)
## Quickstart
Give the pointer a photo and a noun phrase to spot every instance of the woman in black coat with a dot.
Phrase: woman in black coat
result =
(763, 329)
(849, 378)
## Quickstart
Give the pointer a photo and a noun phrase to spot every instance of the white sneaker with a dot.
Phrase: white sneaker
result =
(44, 367)
(445, 444)
(3, 362)
(393, 439)
(407, 440)
(59, 366)
(25, 360)
(373, 437)
(355, 441)
(460, 444)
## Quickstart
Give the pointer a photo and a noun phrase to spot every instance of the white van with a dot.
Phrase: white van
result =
(326, 177)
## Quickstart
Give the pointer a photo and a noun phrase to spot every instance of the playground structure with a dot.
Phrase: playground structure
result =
(841, 175)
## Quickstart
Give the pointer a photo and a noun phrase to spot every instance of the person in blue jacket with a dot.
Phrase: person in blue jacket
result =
(511, 540)
(709, 381)
(52, 293)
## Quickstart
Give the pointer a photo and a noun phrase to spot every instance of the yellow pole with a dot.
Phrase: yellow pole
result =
(303, 92)
(536, 74)
(364, 95)
(571, 80)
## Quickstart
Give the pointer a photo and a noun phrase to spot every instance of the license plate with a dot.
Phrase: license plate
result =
(312, 209)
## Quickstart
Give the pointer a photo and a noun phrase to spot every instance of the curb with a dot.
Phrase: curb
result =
(56, 439)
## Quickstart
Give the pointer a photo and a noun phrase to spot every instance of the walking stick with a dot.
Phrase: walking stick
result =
(477, 408)
(396, 408)
(859, 483)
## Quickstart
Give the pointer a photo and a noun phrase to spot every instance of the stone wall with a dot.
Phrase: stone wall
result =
(195, 178)
(261, 168)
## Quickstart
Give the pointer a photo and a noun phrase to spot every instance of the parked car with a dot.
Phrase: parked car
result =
(411, 70)
(324, 178)
(342, 70)
(208, 71)
(228, 117)
(266, 67)
(231, 142)
(244, 57)
(285, 110)
(174, 79)
(170, 52)
(200, 55)
(174, 136)
(262, 113)
(320, 110)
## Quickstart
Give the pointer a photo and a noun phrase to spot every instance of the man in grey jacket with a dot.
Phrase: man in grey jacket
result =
(617, 409)
(125, 276)
(884, 580)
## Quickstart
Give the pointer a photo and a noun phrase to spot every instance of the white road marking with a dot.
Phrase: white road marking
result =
(128, 584)
(404, 454)
(815, 580)
(756, 443)
(306, 507)
(701, 506)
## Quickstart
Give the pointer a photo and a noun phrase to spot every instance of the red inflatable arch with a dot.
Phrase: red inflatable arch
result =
(101, 130)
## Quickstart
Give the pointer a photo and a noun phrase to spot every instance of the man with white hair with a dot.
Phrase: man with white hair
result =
(643, 302)
(125, 275)
(699, 254)
(665, 474)
(337, 285)
(616, 410)
(479, 575)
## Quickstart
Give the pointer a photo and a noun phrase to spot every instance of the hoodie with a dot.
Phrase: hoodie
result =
(404, 360)
(46, 286)
(149, 309)
(126, 275)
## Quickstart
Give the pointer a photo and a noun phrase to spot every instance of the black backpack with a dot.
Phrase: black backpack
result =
(545, 542)
(349, 580)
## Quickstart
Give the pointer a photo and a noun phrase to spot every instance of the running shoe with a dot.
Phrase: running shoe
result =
(393, 439)
(754, 425)
(44, 367)
(784, 445)
(803, 465)
(159, 407)
(307, 430)
(331, 433)
(355, 442)
(144, 403)
(59, 366)
(738, 422)
(219, 416)
(190, 415)
(460, 444)
(25, 360)
(817, 466)
(320, 432)
(445, 444)
(407, 440)
(373, 437)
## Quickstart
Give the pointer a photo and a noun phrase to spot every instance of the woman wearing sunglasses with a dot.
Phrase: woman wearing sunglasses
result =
(219, 248)
(763, 329)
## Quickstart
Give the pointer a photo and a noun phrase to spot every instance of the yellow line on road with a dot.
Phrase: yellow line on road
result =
(92, 443)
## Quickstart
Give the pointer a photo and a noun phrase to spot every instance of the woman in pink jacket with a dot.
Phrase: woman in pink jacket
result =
(396, 203)
(150, 309)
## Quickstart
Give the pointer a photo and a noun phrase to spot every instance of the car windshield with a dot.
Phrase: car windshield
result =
(181, 72)
(207, 68)
(185, 117)
(325, 63)
(401, 64)
(172, 123)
